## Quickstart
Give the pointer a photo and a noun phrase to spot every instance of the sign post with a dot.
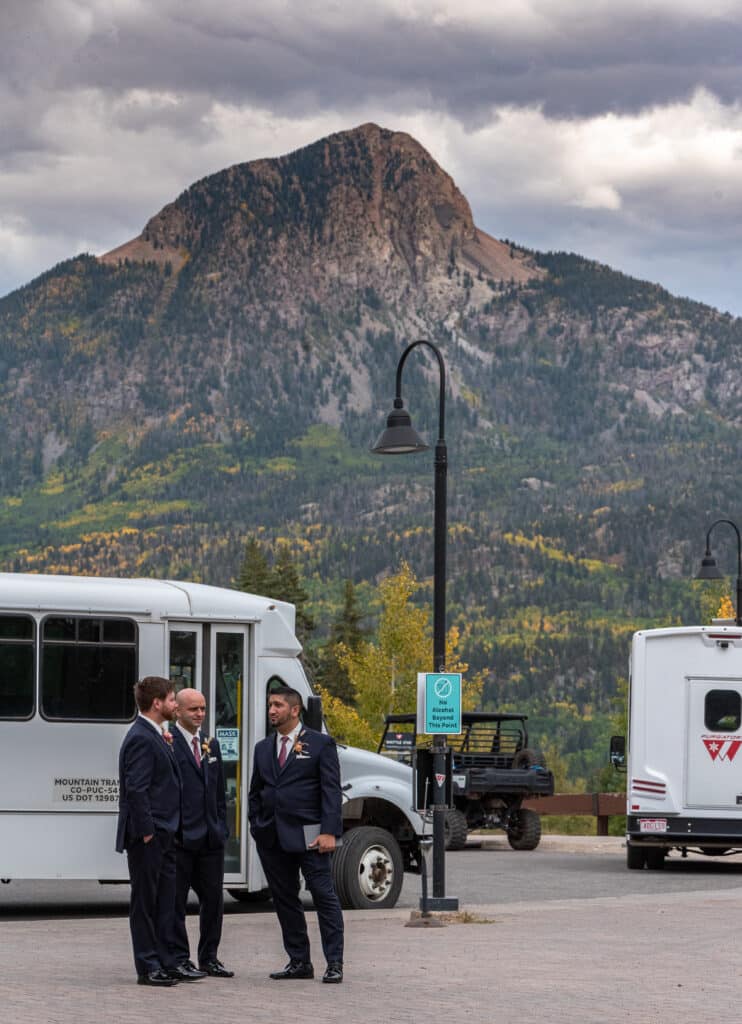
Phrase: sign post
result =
(439, 715)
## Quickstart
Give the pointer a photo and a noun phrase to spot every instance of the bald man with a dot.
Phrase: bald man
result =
(200, 855)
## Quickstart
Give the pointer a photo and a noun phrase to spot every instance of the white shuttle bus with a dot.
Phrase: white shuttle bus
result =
(684, 765)
(71, 649)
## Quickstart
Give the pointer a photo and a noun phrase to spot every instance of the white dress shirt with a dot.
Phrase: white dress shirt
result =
(189, 737)
(291, 737)
(158, 728)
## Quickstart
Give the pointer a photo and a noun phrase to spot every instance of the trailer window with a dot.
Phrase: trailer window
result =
(723, 710)
(88, 669)
(16, 666)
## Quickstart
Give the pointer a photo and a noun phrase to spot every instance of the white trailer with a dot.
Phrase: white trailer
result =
(684, 766)
(71, 649)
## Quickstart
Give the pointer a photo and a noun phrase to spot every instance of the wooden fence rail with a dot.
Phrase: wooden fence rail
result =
(599, 805)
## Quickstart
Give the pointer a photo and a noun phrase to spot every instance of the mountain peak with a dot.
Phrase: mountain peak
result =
(366, 203)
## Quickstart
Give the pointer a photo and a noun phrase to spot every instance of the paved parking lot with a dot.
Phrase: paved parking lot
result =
(646, 957)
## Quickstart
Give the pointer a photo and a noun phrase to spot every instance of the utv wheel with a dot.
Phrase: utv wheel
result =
(529, 757)
(368, 869)
(524, 829)
(456, 829)
(636, 856)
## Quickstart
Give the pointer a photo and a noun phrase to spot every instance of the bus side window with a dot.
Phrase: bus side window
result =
(183, 648)
(88, 668)
(17, 635)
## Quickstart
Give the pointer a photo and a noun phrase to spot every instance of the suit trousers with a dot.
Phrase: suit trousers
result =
(152, 903)
(203, 871)
(282, 872)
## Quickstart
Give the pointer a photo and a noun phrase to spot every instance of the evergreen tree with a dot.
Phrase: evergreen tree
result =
(346, 630)
(287, 586)
(256, 576)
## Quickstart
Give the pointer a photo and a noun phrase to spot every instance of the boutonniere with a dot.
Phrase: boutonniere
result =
(167, 736)
(206, 746)
(301, 749)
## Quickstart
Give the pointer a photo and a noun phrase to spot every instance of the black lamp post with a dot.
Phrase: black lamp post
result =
(710, 570)
(400, 438)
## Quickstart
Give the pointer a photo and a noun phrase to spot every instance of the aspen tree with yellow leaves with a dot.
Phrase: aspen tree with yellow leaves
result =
(383, 671)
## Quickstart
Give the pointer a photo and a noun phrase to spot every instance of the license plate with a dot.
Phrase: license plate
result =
(459, 780)
(653, 824)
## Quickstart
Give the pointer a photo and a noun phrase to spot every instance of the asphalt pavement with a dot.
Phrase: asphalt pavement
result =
(660, 953)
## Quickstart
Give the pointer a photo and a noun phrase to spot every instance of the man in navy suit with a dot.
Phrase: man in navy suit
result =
(199, 856)
(148, 822)
(295, 793)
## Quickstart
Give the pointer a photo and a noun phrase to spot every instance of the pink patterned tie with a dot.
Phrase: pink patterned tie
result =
(282, 752)
(196, 751)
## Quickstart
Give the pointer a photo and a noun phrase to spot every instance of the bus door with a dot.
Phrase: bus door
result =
(714, 740)
(228, 722)
(212, 658)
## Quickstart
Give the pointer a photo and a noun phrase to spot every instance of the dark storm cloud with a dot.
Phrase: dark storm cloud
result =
(293, 60)
(610, 127)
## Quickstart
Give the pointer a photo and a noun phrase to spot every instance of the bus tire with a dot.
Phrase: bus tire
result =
(656, 858)
(636, 856)
(368, 869)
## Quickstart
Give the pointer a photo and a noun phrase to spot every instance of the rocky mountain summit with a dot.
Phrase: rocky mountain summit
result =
(368, 208)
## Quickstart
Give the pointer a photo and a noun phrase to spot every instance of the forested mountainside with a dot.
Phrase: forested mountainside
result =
(223, 375)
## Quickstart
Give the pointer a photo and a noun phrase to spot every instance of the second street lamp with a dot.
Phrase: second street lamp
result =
(400, 438)
(710, 570)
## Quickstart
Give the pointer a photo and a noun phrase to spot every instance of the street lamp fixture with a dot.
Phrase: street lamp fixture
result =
(710, 570)
(400, 438)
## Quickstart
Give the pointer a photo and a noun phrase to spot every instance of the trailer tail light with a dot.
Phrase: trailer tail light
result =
(647, 787)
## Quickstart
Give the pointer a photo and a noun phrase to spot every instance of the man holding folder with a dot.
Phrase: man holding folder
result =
(295, 812)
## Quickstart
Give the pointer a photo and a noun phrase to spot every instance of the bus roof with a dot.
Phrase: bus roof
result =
(158, 598)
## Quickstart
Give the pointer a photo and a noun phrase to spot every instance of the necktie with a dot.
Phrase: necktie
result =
(196, 751)
(282, 752)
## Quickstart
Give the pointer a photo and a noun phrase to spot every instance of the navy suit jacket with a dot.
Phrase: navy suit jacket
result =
(204, 804)
(306, 791)
(149, 786)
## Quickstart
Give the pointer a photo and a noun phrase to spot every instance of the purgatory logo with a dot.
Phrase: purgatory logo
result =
(721, 749)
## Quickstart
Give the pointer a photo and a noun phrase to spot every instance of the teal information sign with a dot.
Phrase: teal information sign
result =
(439, 702)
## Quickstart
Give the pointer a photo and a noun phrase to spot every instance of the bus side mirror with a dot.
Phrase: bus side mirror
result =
(313, 714)
(618, 753)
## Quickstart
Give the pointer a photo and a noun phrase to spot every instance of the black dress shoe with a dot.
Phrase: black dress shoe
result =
(216, 969)
(294, 971)
(159, 978)
(186, 972)
(333, 975)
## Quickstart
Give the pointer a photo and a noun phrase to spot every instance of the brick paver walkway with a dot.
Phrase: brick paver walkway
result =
(644, 959)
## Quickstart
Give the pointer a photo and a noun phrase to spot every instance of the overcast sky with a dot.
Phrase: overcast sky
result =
(611, 128)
